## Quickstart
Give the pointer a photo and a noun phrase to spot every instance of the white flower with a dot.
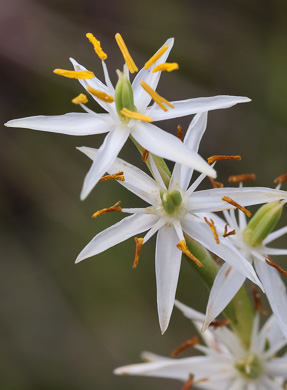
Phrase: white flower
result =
(128, 113)
(174, 211)
(228, 280)
(225, 364)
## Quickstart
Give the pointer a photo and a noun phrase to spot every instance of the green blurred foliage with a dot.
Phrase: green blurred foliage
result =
(65, 326)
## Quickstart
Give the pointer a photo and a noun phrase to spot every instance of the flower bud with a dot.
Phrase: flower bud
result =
(124, 97)
(170, 200)
(263, 223)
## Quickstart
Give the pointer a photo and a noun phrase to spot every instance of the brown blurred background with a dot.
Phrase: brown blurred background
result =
(64, 326)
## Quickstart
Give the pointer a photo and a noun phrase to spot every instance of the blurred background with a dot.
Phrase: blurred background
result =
(64, 326)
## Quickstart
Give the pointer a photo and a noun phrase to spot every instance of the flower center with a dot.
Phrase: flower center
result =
(171, 201)
(250, 366)
(124, 97)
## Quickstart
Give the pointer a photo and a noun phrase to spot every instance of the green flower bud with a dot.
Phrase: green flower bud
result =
(250, 367)
(263, 223)
(124, 97)
(171, 200)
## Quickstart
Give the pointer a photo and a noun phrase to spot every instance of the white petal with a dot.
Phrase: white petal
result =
(167, 146)
(226, 284)
(189, 313)
(106, 155)
(167, 266)
(194, 106)
(73, 123)
(274, 235)
(172, 368)
(275, 251)
(136, 180)
(211, 200)
(141, 97)
(225, 250)
(121, 231)
(94, 83)
(277, 366)
(270, 331)
(275, 291)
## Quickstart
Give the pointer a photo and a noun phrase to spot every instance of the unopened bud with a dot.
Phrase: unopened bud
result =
(263, 223)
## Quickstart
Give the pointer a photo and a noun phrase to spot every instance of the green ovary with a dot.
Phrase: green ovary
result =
(250, 367)
(170, 200)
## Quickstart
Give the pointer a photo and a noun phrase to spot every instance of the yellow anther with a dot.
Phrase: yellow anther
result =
(136, 115)
(184, 346)
(115, 207)
(237, 205)
(155, 96)
(139, 244)
(116, 176)
(179, 133)
(169, 67)
(80, 99)
(73, 74)
(97, 46)
(127, 57)
(145, 155)
(212, 226)
(218, 157)
(154, 58)
(182, 247)
(100, 95)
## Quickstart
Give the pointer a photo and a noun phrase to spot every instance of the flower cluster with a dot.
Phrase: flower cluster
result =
(185, 219)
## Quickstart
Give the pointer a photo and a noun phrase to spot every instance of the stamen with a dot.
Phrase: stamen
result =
(155, 96)
(189, 383)
(219, 323)
(179, 132)
(154, 58)
(271, 262)
(168, 66)
(281, 179)
(116, 176)
(139, 243)
(80, 99)
(215, 184)
(237, 205)
(213, 229)
(145, 155)
(241, 178)
(182, 247)
(257, 301)
(218, 157)
(225, 234)
(115, 207)
(73, 74)
(136, 115)
(101, 95)
(97, 46)
(127, 57)
(184, 346)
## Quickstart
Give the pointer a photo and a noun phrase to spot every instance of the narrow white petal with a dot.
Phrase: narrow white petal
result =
(274, 235)
(225, 250)
(189, 313)
(121, 231)
(194, 106)
(73, 123)
(277, 367)
(167, 146)
(211, 200)
(226, 284)
(167, 266)
(192, 140)
(270, 331)
(275, 291)
(106, 155)
(141, 97)
(136, 180)
(275, 251)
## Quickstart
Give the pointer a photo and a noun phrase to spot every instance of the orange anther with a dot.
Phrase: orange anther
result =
(182, 247)
(210, 223)
(179, 132)
(215, 184)
(115, 207)
(276, 266)
(237, 205)
(184, 346)
(116, 176)
(281, 179)
(226, 234)
(241, 178)
(145, 155)
(139, 244)
(218, 157)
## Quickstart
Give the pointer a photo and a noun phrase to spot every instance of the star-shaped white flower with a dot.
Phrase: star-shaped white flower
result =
(228, 280)
(174, 211)
(225, 364)
(128, 113)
